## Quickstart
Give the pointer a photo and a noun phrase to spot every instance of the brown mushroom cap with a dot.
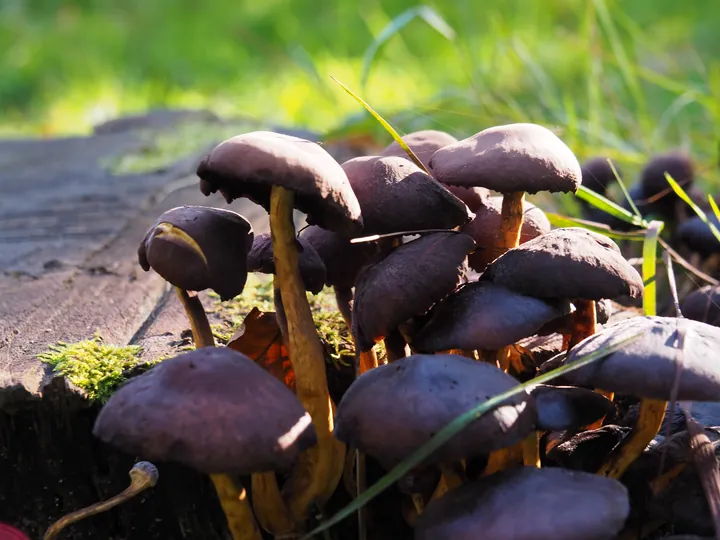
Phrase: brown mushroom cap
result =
(249, 165)
(212, 409)
(407, 283)
(482, 315)
(698, 236)
(567, 263)
(597, 175)
(563, 408)
(587, 450)
(423, 144)
(395, 195)
(649, 367)
(197, 248)
(676, 164)
(510, 158)
(390, 411)
(473, 197)
(485, 229)
(528, 504)
(342, 259)
(703, 305)
(312, 268)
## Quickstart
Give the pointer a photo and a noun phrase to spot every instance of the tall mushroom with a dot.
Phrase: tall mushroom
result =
(513, 159)
(673, 355)
(196, 248)
(216, 411)
(281, 172)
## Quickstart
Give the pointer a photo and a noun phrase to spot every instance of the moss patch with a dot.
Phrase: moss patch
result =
(94, 366)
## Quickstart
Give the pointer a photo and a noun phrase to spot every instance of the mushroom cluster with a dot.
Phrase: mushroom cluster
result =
(468, 293)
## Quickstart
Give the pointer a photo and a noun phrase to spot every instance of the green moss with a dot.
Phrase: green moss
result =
(94, 366)
(162, 149)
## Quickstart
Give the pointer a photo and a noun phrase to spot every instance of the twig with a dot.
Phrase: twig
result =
(686, 265)
(672, 283)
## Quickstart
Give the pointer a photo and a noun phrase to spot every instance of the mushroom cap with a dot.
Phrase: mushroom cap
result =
(563, 408)
(527, 503)
(649, 366)
(473, 197)
(509, 158)
(212, 409)
(485, 229)
(482, 315)
(587, 450)
(703, 305)
(249, 165)
(390, 411)
(568, 263)
(407, 283)
(676, 164)
(312, 268)
(597, 174)
(396, 195)
(342, 259)
(698, 236)
(423, 143)
(197, 248)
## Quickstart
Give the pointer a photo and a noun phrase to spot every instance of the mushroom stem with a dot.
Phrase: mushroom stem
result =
(650, 417)
(143, 475)
(395, 346)
(531, 450)
(280, 310)
(319, 469)
(452, 477)
(583, 322)
(344, 298)
(270, 509)
(201, 331)
(367, 360)
(512, 220)
(502, 459)
(235, 505)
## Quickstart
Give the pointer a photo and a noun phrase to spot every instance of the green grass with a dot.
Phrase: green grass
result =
(92, 365)
(625, 79)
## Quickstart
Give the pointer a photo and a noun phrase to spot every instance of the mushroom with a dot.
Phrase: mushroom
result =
(568, 408)
(423, 143)
(553, 504)
(659, 196)
(407, 283)
(196, 248)
(698, 236)
(414, 397)
(673, 355)
(396, 195)
(312, 271)
(482, 315)
(586, 450)
(512, 159)
(143, 475)
(213, 410)
(571, 263)
(485, 230)
(598, 175)
(281, 172)
(703, 305)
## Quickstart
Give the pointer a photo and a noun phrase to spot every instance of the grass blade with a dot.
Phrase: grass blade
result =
(565, 221)
(455, 427)
(426, 13)
(624, 189)
(609, 207)
(649, 267)
(714, 207)
(385, 124)
(680, 192)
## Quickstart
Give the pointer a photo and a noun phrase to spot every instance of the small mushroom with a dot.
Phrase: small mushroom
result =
(567, 408)
(485, 230)
(586, 450)
(216, 411)
(423, 143)
(598, 175)
(698, 236)
(512, 159)
(414, 397)
(196, 248)
(659, 195)
(407, 283)
(528, 504)
(281, 172)
(396, 195)
(672, 355)
(571, 263)
(482, 315)
(703, 305)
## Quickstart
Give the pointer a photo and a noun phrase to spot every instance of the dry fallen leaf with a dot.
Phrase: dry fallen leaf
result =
(259, 338)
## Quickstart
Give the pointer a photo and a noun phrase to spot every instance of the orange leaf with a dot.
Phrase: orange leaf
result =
(260, 339)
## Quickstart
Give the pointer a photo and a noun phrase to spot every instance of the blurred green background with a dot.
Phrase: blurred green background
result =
(623, 78)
